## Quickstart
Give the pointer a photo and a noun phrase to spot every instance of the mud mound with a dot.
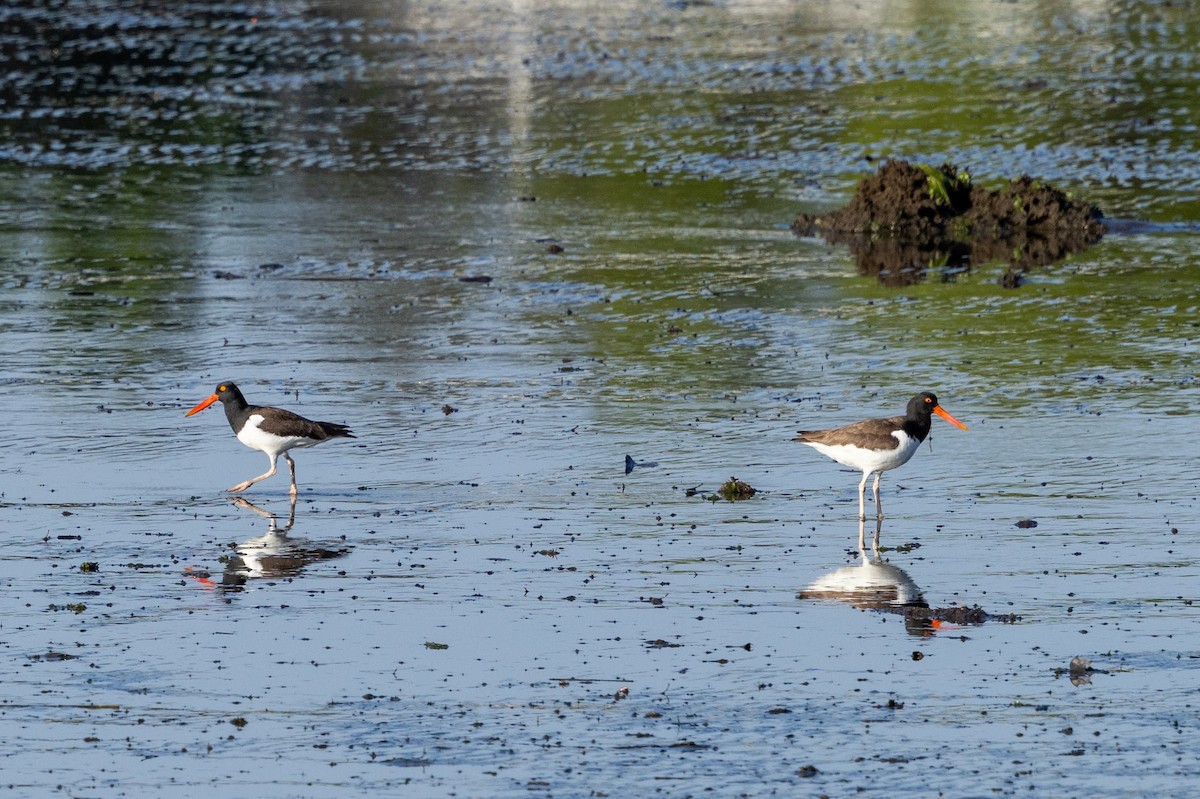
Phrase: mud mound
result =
(959, 614)
(906, 220)
(922, 620)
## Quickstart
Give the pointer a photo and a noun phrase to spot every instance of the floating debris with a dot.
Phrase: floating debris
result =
(734, 489)
(631, 464)
(659, 643)
(1080, 671)
(960, 614)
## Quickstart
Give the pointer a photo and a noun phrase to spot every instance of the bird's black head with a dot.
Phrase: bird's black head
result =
(926, 403)
(227, 393)
(922, 404)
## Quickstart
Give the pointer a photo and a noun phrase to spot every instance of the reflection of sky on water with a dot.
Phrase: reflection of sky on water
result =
(787, 97)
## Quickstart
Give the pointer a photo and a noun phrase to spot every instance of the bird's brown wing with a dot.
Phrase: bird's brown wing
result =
(284, 422)
(870, 434)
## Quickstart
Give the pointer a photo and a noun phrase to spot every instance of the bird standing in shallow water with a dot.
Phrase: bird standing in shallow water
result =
(271, 430)
(876, 445)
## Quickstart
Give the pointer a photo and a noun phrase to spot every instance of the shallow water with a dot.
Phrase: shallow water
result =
(464, 598)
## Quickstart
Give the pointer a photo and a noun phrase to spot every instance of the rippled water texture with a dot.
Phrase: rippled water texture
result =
(510, 245)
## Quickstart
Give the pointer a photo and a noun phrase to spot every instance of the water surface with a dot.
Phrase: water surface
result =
(482, 602)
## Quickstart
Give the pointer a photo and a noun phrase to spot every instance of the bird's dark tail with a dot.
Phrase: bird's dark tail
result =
(334, 430)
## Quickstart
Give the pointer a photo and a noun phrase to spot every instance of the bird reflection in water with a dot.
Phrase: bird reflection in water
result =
(273, 556)
(874, 584)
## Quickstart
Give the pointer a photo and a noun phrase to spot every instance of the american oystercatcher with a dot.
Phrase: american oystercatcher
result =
(876, 445)
(271, 430)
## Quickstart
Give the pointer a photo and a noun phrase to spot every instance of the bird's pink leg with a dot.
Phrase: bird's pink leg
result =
(878, 504)
(862, 498)
(292, 468)
(244, 485)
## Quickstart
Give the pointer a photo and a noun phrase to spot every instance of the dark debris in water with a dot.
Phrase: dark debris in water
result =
(959, 614)
(631, 464)
(685, 745)
(1080, 671)
(660, 643)
(407, 762)
(734, 489)
(906, 217)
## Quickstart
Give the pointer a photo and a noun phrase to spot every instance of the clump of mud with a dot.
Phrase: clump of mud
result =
(957, 614)
(922, 620)
(734, 489)
(905, 221)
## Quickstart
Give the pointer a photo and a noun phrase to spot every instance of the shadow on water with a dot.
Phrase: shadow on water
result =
(275, 555)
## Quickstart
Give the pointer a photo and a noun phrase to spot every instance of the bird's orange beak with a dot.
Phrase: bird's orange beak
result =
(214, 398)
(936, 409)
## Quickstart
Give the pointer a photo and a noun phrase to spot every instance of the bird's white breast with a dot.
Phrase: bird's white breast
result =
(253, 436)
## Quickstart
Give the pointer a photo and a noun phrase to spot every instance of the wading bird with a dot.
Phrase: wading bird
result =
(271, 430)
(876, 445)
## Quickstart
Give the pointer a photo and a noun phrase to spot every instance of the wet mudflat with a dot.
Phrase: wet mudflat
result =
(474, 598)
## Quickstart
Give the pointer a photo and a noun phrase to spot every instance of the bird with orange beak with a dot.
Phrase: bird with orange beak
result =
(877, 445)
(273, 431)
